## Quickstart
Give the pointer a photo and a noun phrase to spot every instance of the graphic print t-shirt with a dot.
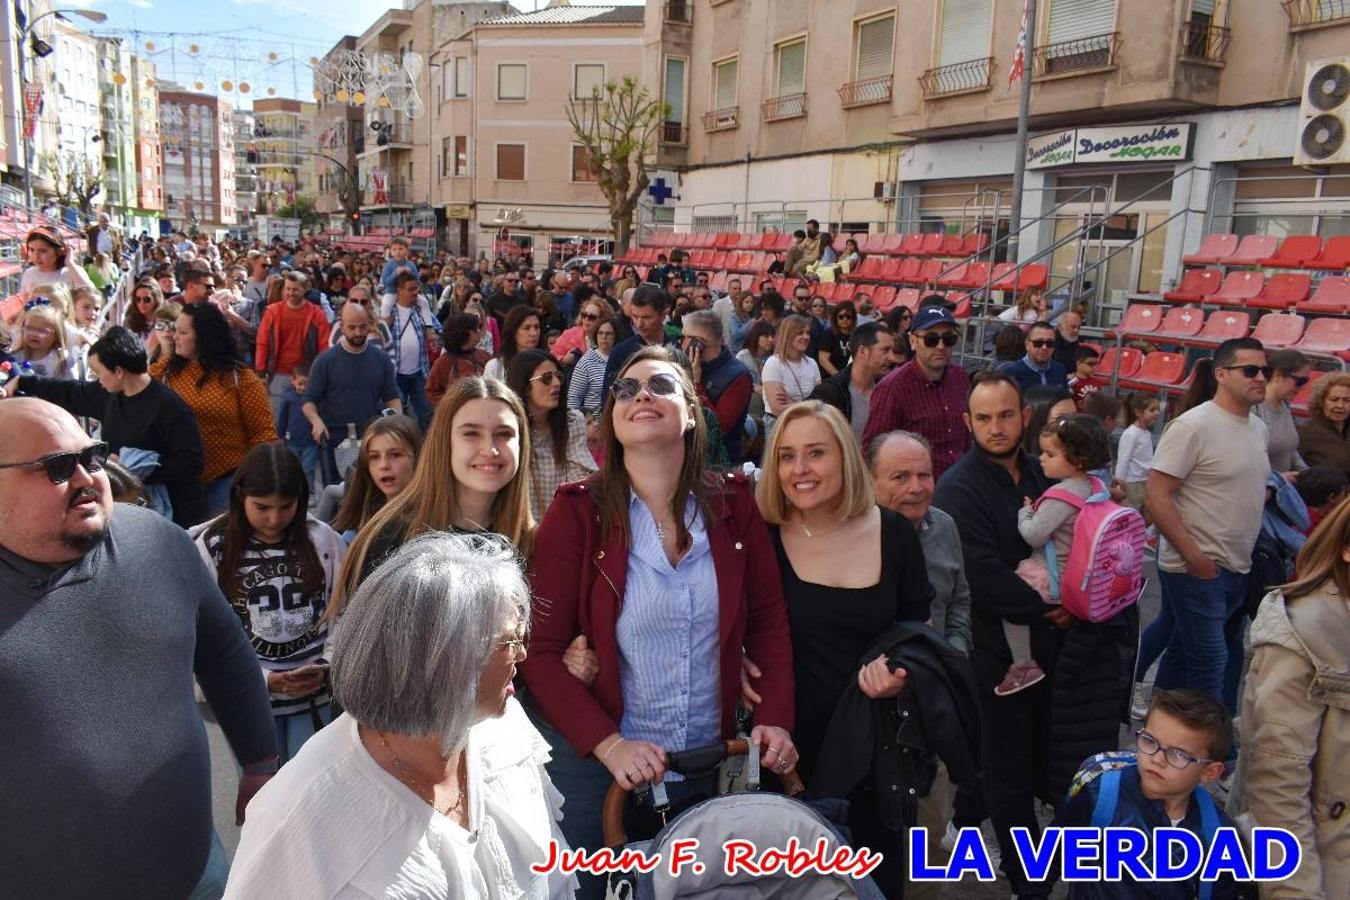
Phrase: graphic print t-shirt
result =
(283, 623)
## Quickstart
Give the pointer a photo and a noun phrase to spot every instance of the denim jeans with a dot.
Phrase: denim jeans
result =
(294, 729)
(308, 454)
(218, 494)
(1154, 642)
(416, 404)
(583, 783)
(277, 386)
(1204, 652)
(211, 886)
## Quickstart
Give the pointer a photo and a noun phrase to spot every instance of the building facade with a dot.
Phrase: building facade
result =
(197, 139)
(282, 139)
(339, 131)
(245, 169)
(118, 144)
(149, 155)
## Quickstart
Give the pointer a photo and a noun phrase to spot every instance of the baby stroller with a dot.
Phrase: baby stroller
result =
(768, 820)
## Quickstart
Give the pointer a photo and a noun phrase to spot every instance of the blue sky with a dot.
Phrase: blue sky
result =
(265, 43)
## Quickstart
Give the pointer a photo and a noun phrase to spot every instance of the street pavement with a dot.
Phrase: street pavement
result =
(225, 778)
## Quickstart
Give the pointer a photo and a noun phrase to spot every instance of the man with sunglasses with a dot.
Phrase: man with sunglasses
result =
(1039, 365)
(927, 395)
(1207, 492)
(198, 284)
(507, 298)
(137, 412)
(108, 616)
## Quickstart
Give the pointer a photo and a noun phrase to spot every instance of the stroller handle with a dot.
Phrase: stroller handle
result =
(694, 761)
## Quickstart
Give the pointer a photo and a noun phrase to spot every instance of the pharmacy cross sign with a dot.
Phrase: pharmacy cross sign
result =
(660, 191)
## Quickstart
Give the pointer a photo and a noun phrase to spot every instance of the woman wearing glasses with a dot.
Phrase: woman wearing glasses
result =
(573, 343)
(430, 786)
(140, 316)
(834, 352)
(557, 434)
(1290, 373)
(652, 526)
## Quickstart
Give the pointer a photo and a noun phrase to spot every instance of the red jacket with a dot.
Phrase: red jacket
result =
(578, 577)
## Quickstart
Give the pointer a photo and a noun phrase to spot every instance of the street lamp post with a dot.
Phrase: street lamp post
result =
(93, 15)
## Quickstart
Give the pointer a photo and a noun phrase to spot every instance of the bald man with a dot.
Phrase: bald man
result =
(108, 613)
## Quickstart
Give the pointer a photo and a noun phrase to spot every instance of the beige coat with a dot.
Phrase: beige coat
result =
(1296, 737)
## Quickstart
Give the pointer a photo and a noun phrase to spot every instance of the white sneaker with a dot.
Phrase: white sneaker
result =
(1139, 702)
(948, 842)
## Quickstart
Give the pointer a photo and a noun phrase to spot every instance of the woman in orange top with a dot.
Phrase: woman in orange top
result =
(228, 398)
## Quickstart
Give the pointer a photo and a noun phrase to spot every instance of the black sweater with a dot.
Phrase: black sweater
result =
(981, 497)
(155, 419)
(105, 772)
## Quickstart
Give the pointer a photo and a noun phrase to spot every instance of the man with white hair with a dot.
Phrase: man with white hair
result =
(107, 616)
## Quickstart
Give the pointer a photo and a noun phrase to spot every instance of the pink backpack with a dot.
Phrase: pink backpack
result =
(1105, 571)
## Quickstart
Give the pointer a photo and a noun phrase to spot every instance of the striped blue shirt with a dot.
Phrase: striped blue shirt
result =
(668, 639)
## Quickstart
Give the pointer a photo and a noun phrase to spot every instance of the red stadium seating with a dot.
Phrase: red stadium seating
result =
(931, 244)
(1332, 297)
(1283, 290)
(908, 272)
(1180, 323)
(1140, 318)
(1238, 288)
(892, 245)
(977, 276)
(953, 276)
(1223, 325)
(974, 243)
(869, 269)
(1130, 361)
(883, 298)
(908, 297)
(951, 245)
(1213, 247)
(1326, 335)
(1279, 329)
(1252, 249)
(1335, 255)
(911, 244)
(1195, 286)
(844, 292)
(962, 302)
(1294, 252)
(1159, 369)
(873, 243)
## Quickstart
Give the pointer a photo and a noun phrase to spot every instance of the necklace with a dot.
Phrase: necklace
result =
(411, 781)
(812, 534)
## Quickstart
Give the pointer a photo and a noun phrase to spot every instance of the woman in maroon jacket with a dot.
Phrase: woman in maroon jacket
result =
(668, 573)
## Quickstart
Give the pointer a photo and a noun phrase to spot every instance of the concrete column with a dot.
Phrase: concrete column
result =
(907, 207)
(1037, 200)
(1189, 206)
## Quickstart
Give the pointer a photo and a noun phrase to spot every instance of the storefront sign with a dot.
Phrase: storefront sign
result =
(1116, 144)
(458, 212)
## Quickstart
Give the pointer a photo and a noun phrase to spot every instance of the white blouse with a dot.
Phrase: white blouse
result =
(334, 824)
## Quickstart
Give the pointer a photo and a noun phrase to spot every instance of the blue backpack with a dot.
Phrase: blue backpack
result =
(1108, 767)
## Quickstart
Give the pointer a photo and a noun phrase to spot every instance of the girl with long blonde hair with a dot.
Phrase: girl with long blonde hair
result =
(479, 438)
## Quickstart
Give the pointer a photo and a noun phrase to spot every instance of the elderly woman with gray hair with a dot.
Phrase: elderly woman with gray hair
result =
(432, 783)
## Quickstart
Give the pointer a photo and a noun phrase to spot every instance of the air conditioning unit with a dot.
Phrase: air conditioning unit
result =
(883, 190)
(1324, 113)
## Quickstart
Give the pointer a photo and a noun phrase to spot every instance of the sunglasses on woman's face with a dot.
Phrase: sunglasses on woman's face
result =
(60, 467)
(145, 298)
(659, 385)
(164, 326)
(589, 317)
(546, 378)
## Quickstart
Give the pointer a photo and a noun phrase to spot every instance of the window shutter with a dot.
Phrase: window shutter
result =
(510, 82)
(1203, 7)
(590, 80)
(726, 85)
(791, 68)
(1072, 20)
(675, 90)
(965, 30)
(461, 76)
(874, 48)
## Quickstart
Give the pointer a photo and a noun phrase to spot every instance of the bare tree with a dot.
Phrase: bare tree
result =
(78, 179)
(615, 128)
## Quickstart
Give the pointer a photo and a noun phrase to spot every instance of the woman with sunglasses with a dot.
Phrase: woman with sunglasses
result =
(652, 526)
(1323, 439)
(1290, 372)
(573, 343)
(557, 434)
(834, 352)
(165, 321)
(48, 262)
(140, 315)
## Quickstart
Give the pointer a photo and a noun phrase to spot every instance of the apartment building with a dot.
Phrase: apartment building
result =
(245, 169)
(149, 159)
(197, 139)
(339, 132)
(504, 162)
(282, 142)
(118, 143)
(1185, 110)
(385, 158)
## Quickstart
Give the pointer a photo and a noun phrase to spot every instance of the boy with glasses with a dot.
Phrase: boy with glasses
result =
(1180, 749)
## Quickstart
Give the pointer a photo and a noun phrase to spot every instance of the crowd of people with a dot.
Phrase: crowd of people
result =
(358, 493)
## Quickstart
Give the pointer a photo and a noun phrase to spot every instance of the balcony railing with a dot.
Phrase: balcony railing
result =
(1208, 43)
(674, 133)
(1082, 55)
(392, 133)
(957, 78)
(681, 11)
(721, 119)
(866, 91)
(789, 106)
(398, 193)
(1310, 13)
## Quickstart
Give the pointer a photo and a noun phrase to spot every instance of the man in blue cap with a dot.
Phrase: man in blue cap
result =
(927, 395)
